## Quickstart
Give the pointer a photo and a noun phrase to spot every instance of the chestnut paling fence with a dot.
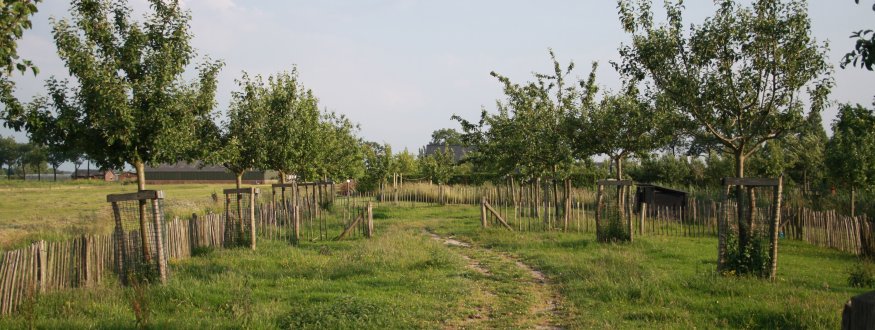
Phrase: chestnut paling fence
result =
(88, 260)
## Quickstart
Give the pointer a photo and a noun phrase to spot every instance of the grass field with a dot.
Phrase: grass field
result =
(55, 211)
(405, 278)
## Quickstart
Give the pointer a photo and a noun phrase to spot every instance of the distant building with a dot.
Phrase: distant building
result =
(107, 176)
(185, 172)
(459, 152)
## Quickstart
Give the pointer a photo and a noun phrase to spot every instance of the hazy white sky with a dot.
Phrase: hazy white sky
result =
(401, 68)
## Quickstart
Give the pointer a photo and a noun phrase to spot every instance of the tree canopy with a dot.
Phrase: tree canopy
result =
(14, 19)
(129, 102)
(528, 135)
(744, 74)
(863, 53)
(850, 153)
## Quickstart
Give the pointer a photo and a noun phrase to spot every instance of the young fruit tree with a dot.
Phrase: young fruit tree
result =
(528, 137)
(292, 127)
(128, 103)
(744, 75)
(239, 144)
(850, 153)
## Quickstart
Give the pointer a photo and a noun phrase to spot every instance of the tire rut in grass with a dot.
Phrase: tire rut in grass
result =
(545, 307)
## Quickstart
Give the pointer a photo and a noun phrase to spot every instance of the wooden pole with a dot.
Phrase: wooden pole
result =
(159, 243)
(252, 217)
(598, 212)
(41, 262)
(776, 221)
(483, 222)
(370, 231)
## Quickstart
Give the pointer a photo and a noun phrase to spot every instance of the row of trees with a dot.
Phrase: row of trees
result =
(128, 103)
(277, 125)
(21, 158)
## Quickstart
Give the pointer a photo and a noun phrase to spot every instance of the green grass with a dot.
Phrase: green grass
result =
(670, 282)
(56, 211)
(404, 279)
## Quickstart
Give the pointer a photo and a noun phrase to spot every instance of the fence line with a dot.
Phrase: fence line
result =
(85, 260)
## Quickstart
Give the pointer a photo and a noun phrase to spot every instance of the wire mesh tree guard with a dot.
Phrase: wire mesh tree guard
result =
(240, 216)
(755, 207)
(613, 213)
(140, 253)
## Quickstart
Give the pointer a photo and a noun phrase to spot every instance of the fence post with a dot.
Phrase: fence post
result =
(483, 222)
(296, 222)
(159, 241)
(641, 216)
(41, 262)
(370, 226)
(252, 194)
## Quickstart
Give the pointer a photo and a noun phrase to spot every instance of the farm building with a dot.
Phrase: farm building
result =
(459, 152)
(658, 196)
(108, 175)
(184, 172)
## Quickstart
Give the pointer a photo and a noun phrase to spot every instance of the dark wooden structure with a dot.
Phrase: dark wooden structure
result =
(657, 196)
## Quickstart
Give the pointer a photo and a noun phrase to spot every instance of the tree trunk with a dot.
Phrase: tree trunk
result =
(853, 201)
(239, 180)
(39, 173)
(744, 223)
(556, 206)
(621, 203)
(618, 162)
(141, 185)
(55, 173)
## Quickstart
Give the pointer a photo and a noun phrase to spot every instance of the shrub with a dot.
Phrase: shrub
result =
(862, 275)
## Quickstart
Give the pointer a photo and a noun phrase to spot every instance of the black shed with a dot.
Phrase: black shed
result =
(655, 195)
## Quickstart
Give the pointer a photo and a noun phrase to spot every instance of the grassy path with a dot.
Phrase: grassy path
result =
(543, 308)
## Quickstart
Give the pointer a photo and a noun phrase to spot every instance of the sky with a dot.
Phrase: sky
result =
(401, 68)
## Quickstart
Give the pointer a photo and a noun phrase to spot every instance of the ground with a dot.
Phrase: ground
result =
(434, 267)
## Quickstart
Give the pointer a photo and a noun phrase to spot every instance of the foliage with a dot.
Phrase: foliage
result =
(528, 136)
(624, 124)
(439, 166)
(129, 103)
(291, 133)
(378, 162)
(809, 147)
(850, 153)
(747, 259)
(862, 275)
(240, 144)
(670, 170)
(863, 53)
(406, 163)
(8, 152)
(14, 19)
(740, 74)
(340, 156)
(447, 136)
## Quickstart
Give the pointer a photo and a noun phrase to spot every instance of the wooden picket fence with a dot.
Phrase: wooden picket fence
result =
(85, 261)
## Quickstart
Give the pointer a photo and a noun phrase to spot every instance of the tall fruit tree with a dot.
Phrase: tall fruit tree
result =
(132, 105)
(744, 74)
